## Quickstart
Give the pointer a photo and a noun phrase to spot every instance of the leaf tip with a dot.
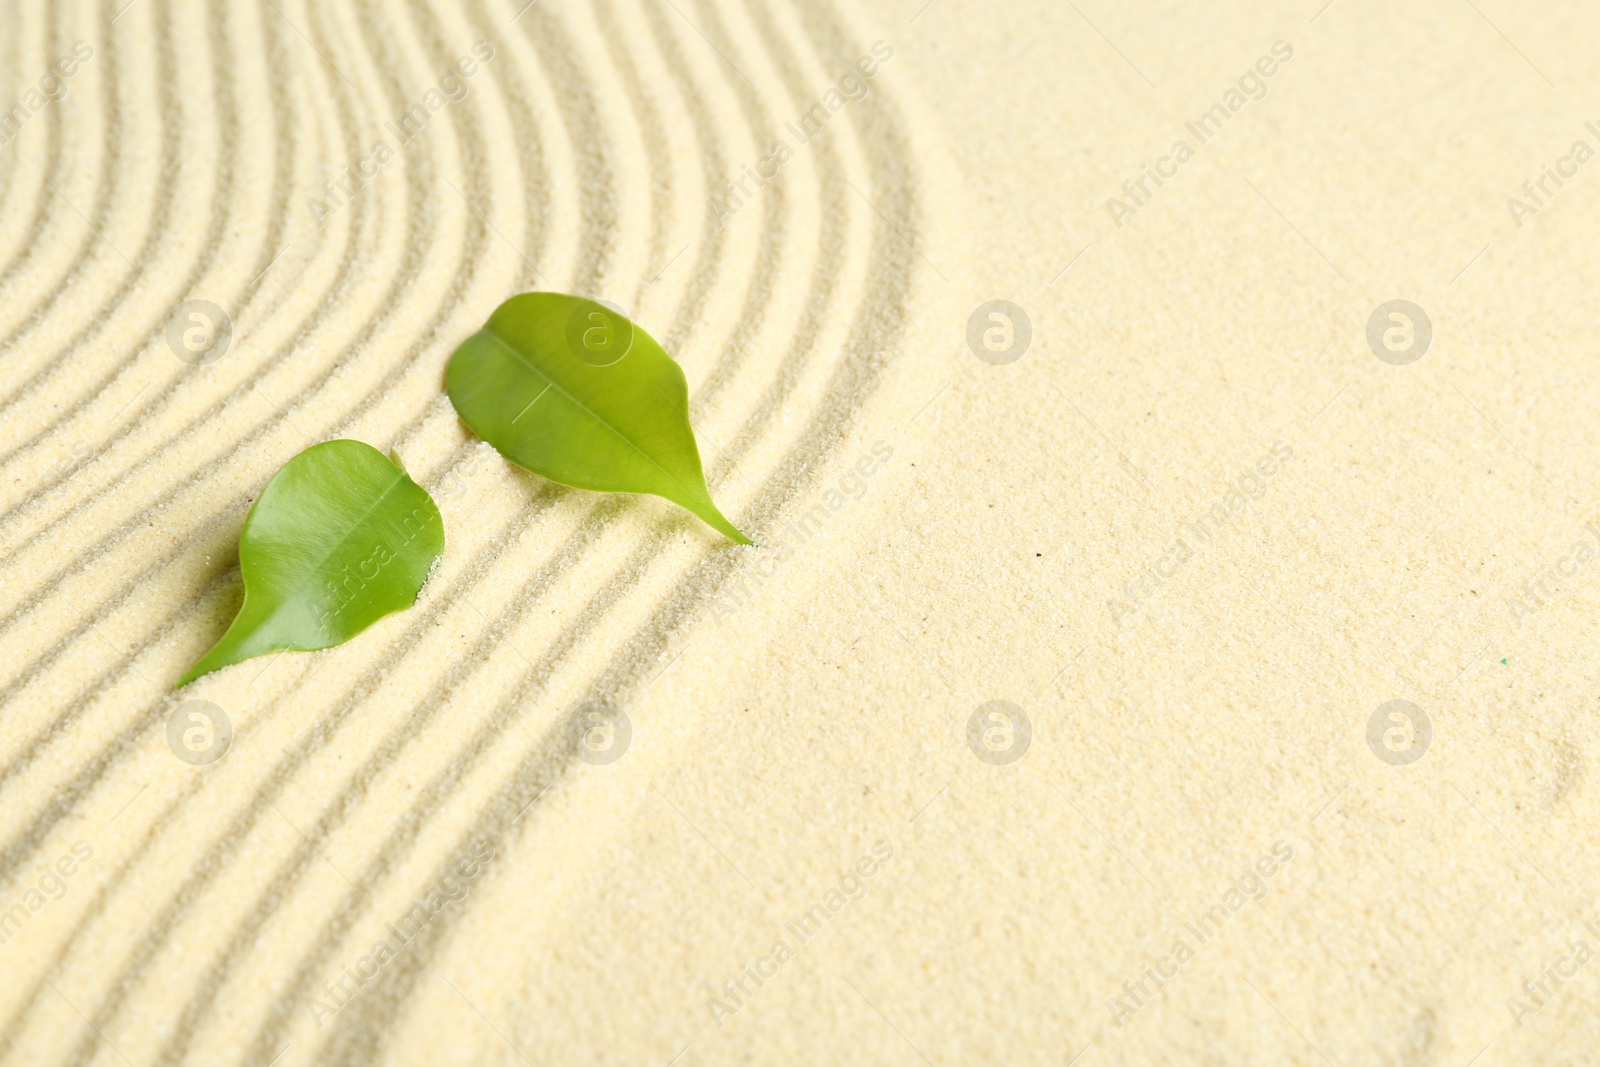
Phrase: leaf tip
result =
(718, 522)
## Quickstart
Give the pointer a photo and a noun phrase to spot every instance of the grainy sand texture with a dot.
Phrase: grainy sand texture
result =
(1168, 434)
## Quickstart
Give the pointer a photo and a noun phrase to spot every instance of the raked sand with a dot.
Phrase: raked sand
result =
(1196, 532)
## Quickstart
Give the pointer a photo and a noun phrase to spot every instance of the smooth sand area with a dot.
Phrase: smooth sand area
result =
(1198, 514)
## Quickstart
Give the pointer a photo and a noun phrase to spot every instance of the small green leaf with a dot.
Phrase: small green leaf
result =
(572, 390)
(340, 537)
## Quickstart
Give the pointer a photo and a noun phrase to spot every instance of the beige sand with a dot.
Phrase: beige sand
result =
(798, 858)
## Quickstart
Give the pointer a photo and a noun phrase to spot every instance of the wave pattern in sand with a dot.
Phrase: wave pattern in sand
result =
(199, 154)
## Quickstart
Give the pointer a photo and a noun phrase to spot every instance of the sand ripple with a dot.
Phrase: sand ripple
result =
(179, 166)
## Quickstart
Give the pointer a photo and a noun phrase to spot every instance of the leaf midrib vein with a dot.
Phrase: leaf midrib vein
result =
(588, 410)
(299, 587)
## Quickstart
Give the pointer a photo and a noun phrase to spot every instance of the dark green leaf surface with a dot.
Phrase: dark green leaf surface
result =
(572, 390)
(340, 538)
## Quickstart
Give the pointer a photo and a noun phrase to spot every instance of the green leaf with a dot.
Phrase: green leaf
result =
(340, 537)
(571, 390)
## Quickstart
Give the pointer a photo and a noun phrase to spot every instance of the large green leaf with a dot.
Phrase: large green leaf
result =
(340, 538)
(572, 390)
